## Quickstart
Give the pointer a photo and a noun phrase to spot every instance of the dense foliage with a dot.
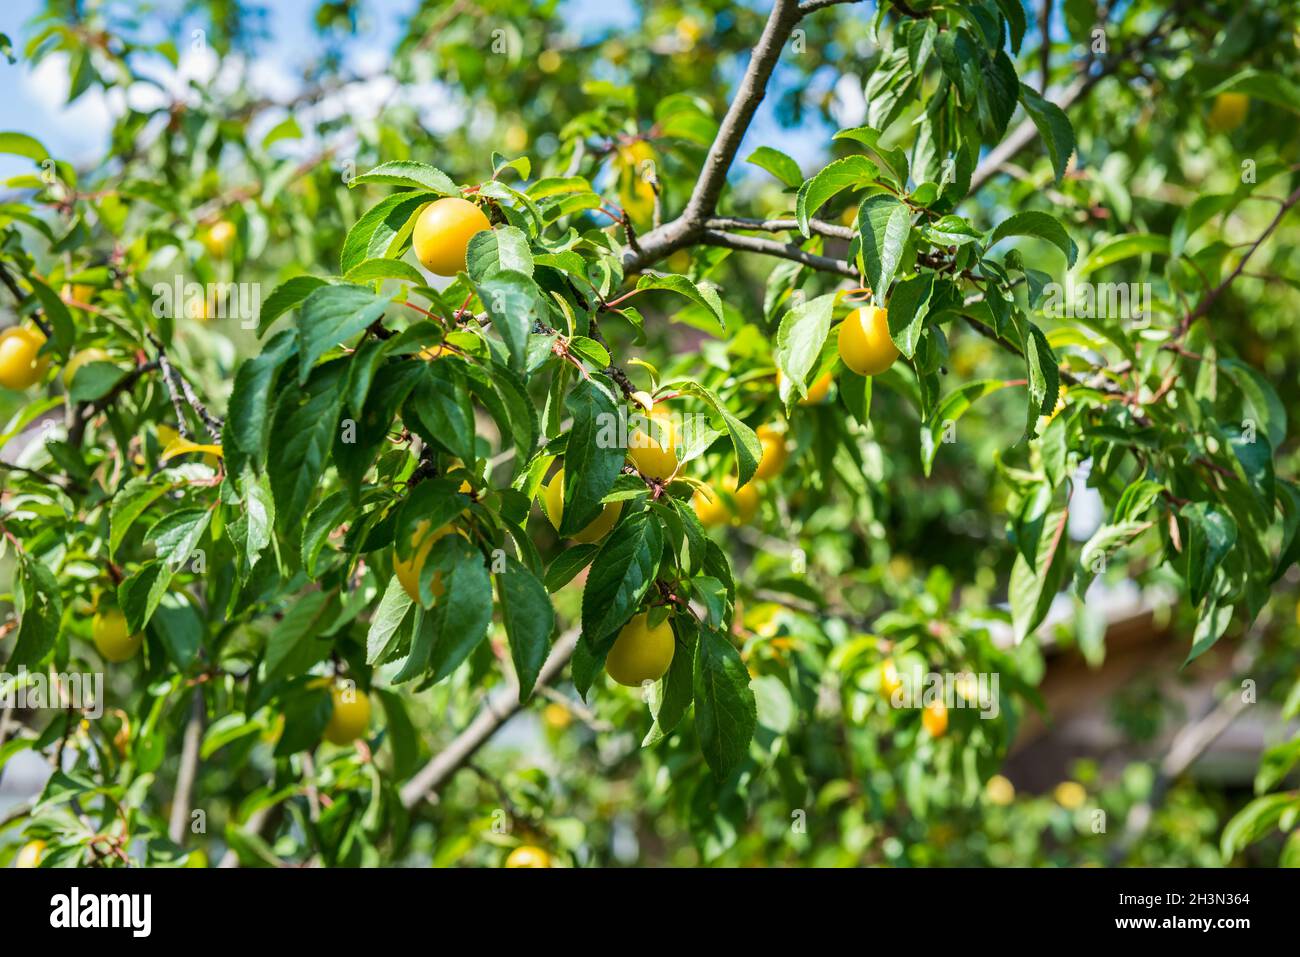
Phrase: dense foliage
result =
(1077, 292)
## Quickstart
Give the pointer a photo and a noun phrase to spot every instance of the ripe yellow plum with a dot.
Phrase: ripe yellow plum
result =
(443, 231)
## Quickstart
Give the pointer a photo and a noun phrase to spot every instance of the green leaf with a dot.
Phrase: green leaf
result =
(1033, 586)
(139, 594)
(1211, 533)
(299, 640)
(1096, 551)
(1262, 85)
(1261, 398)
(303, 428)
(1014, 13)
(1044, 376)
(94, 380)
(462, 615)
(286, 129)
(1053, 126)
(950, 231)
(849, 172)
(381, 229)
(131, 501)
(331, 316)
(324, 518)
(284, 297)
(176, 535)
(593, 457)
(513, 302)
(1041, 225)
(384, 623)
(418, 176)
(1124, 247)
(251, 530)
(38, 606)
(800, 338)
(504, 248)
(566, 565)
(884, 224)
(305, 718)
(620, 576)
(374, 269)
(1254, 821)
(356, 447)
(529, 620)
(20, 144)
(672, 694)
(749, 451)
(908, 307)
(56, 314)
(225, 730)
(892, 160)
(439, 409)
(946, 413)
(248, 420)
(725, 712)
(997, 94)
(1276, 763)
(699, 293)
(778, 164)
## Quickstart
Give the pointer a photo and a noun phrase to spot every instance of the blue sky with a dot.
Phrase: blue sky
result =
(79, 132)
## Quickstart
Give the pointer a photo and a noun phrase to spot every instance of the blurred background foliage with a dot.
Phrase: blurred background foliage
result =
(215, 115)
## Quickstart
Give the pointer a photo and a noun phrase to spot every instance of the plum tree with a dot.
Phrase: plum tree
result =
(551, 323)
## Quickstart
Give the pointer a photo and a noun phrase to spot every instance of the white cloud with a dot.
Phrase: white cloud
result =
(850, 105)
(69, 129)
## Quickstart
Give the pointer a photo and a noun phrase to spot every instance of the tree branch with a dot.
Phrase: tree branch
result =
(753, 87)
(771, 247)
(820, 227)
(812, 6)
(188, 769)
(498, 708)
(22, 299)
(1203, 309)
(1027, 132)
(685, 229)
(177, 387)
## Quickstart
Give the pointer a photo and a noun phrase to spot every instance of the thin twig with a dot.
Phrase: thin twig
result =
(22, 300)
(770, 247)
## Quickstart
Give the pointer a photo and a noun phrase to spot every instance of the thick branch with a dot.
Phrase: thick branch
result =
(499, 708)
(685, 229)
(753, 87)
